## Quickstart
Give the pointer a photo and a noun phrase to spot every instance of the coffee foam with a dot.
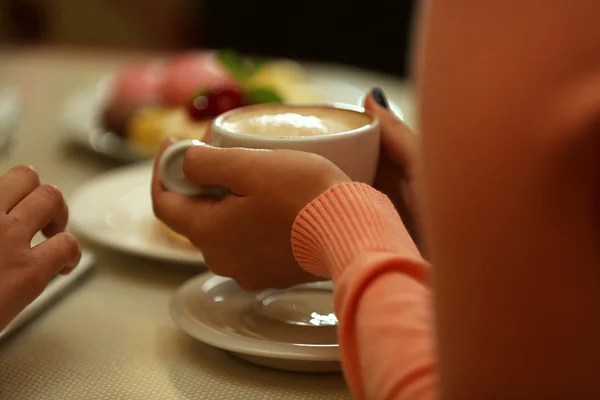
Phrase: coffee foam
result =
(291, 121)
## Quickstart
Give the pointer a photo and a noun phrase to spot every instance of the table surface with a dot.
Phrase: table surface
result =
(112, 337)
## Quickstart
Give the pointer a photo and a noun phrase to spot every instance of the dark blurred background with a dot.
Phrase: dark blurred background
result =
(371, 34)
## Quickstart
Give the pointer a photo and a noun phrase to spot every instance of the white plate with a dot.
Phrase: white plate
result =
(269, 329)
(82, 112)
(115, 210)
(10, 108)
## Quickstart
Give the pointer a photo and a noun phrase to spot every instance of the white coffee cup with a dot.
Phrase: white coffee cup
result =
(354, 150)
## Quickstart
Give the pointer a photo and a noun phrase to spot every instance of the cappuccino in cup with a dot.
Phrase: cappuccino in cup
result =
(281, 121)
(346, 135)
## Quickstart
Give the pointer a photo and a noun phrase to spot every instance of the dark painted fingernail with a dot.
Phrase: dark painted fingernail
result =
(379, 97)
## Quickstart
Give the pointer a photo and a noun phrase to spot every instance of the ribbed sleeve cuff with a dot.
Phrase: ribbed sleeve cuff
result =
(344, 222)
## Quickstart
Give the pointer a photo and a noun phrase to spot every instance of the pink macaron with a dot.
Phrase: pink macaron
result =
(187, 74)
(138, 85)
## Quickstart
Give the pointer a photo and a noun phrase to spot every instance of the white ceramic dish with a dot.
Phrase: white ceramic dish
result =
(82, 111)
(10, 109)
(115, 210)
(269, 329)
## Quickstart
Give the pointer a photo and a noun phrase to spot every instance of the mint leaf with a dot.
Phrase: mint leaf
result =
(241, 68)
(232, 61)
(263, 95)
(254, 64)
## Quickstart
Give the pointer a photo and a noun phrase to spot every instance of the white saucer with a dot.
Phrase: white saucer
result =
(277, 329)
(115, 210)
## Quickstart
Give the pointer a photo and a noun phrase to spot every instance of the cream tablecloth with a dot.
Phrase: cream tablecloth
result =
(112, 337)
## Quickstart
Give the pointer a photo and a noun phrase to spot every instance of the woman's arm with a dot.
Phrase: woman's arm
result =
(353, 234)
(509, 97)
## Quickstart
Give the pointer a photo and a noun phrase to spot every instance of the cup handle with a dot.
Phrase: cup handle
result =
(170, 169)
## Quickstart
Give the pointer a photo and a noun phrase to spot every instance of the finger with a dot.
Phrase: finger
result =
(15, 185)
(208, 135)
(45, 207)
(178, 211)
(58, 223)
(60, 252)
(66, 271)
(398, 142)
(233, 168)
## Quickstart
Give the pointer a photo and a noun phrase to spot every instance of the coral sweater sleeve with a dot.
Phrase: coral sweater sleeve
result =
(509, 107)
(353, 234)
(509, 116)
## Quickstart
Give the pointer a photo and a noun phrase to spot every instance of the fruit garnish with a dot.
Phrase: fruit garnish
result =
(197, 108)
(225, 99)
(219, 98)
(214, 101)
(245, 70)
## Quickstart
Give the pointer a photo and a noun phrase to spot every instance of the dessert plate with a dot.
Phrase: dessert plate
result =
(115, 210)
(82, 114)
(292, 329)
(10, 107)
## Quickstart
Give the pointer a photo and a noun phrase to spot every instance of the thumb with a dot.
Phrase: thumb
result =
(232, 168)
(398, 142)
